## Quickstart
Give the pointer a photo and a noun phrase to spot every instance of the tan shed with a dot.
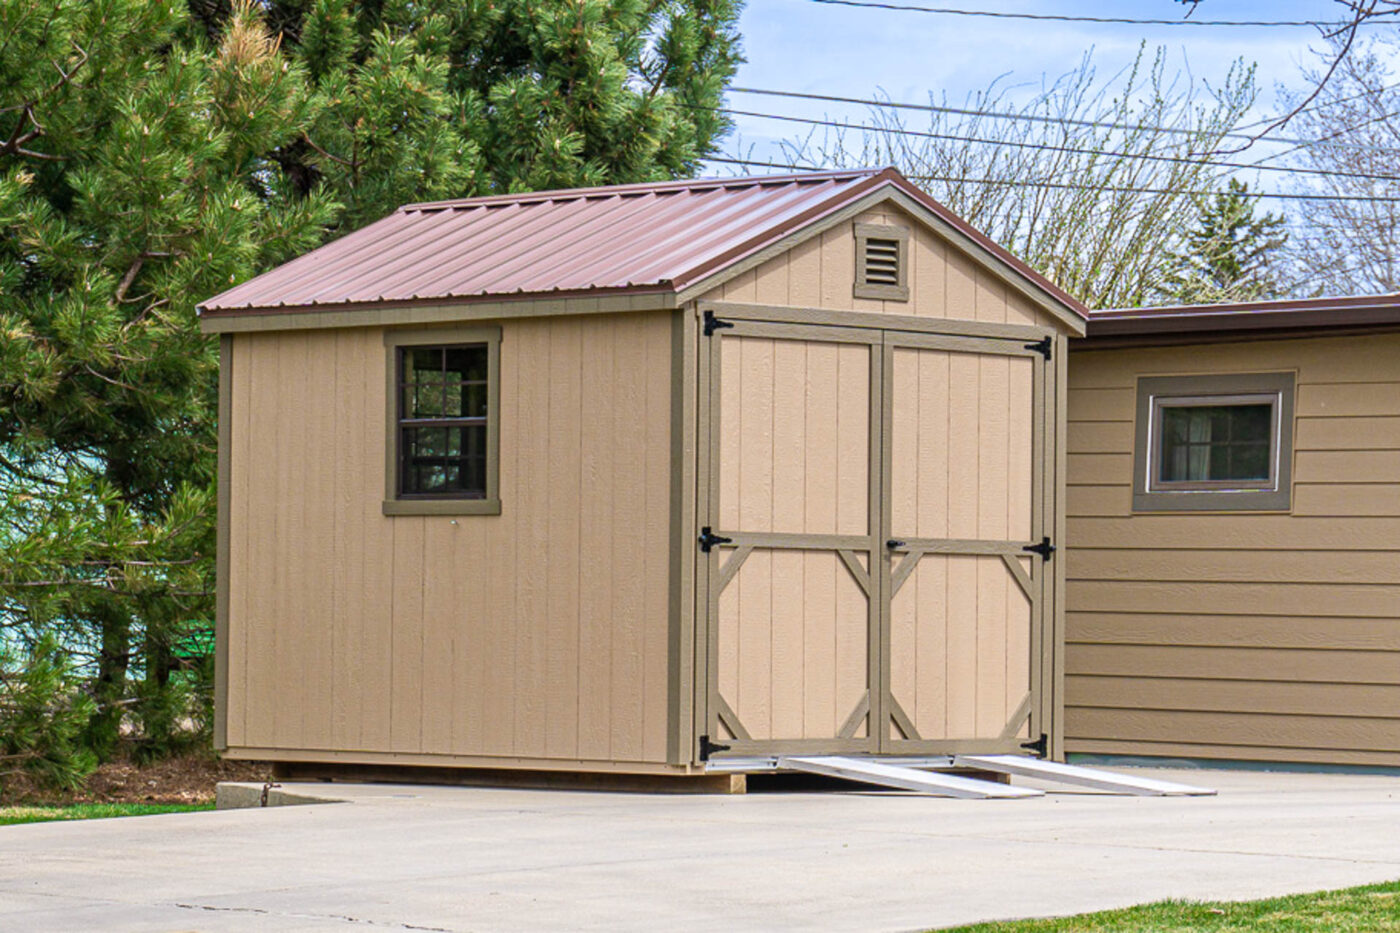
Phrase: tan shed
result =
(633, 479)
(1234, 533)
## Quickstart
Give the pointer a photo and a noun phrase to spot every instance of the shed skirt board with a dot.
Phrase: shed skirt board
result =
(869, 495)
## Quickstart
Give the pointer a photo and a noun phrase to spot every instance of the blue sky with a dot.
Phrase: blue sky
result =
(800, 45)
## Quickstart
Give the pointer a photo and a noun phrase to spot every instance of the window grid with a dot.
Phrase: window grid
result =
(443, 421)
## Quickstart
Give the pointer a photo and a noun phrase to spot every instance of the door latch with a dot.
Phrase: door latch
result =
(708, 539)
(1044, 548)
(894, 544)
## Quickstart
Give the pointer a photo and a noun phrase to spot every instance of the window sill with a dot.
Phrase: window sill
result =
(442, 506)
(1204, 500)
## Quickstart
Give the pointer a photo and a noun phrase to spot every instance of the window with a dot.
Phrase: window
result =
(442, 421)
(881, 260)
(1220, 443)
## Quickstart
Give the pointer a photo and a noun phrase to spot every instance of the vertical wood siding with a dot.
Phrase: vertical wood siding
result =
(943, 281)
(961, 468)
(540, 633)
(794, 458)
(1248, 636)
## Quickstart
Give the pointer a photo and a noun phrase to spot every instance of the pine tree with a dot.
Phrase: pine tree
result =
(1231, 255)
(153, 152)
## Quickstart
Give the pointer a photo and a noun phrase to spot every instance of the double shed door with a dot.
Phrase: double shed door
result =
(867, 501)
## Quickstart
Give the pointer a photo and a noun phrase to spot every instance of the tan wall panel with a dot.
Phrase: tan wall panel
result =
(1329, 756)
(943, 282)
(792, 644)
(1235, 696)
(1224, 566)
(1322, 632)
(1184, 629)
(516, 635)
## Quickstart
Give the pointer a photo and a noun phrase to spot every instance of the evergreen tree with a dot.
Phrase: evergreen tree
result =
(1231, 255)
(153, 152)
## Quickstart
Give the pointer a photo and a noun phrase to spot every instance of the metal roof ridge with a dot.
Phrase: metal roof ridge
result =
(649, 187)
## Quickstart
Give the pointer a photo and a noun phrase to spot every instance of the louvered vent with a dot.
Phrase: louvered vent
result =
(882, 261)
(881, 252)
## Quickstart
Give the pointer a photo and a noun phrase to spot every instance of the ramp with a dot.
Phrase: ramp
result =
(902, 778)
(1074, 775)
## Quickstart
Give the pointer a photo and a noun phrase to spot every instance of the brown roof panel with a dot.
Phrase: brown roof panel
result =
(1246, 317)
(625, 238)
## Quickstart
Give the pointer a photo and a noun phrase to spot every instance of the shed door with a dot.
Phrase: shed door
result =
(794, 422)
(869, 495)
(963, 492)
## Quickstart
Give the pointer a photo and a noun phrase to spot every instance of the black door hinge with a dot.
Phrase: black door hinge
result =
(709, 539)
(1040, 746)
(713, 324)
(708, 748)
(1044, 548)
(1042, 347)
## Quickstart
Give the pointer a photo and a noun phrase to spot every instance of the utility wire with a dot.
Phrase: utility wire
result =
(1026, 183)
(1106, 20)
(1051, 147)
(1031, 118)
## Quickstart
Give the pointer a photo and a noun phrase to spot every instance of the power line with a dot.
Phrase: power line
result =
(1051, 147)
(1070, 186)
(1104, 20)
(1029, 118)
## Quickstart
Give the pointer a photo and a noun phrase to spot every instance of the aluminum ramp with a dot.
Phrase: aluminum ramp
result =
(869, 771)
(1076, 776)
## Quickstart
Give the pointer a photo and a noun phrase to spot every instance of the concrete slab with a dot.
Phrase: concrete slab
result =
(450, 859)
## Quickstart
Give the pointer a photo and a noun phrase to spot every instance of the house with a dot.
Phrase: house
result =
(1234, 533)
(622, 480)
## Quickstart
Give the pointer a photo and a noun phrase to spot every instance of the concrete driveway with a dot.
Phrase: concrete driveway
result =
(417, 858)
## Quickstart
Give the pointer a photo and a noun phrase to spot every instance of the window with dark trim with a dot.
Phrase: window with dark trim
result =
(442, 426)
(1220, 443)
(882, 262)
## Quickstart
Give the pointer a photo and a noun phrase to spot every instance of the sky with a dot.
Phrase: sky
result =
(802, 45)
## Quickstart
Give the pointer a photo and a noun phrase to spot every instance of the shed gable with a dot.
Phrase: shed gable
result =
(944, 279)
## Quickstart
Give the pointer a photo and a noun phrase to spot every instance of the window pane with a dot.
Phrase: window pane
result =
(1251, 422)
(423, 361)
(466, 364)
(1250, 461)
(1215, 443)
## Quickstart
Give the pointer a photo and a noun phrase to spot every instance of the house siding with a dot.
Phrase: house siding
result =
(1263, 636)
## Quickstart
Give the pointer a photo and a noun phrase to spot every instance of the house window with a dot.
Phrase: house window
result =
(1217, 443)
(442, 421)
(882, 262)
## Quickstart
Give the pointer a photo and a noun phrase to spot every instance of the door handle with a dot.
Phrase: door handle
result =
(894, 544)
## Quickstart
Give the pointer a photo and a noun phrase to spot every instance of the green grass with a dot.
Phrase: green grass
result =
(92, 811)
(1354, 910)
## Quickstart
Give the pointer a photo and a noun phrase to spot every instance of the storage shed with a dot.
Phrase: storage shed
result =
(630, 479)
(1234, 533)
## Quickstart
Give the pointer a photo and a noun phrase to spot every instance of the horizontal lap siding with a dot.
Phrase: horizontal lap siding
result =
(540, 633)
(1269, 637)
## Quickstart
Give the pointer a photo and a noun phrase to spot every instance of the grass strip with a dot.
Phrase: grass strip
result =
(92, 811)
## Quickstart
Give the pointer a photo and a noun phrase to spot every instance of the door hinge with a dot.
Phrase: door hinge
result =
(1044, 548)
(709, 539)
(713, 324)
(708, 748)
(1040, 346)
(1040, 746)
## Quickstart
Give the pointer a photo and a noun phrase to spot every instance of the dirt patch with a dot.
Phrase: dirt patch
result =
(187, 779)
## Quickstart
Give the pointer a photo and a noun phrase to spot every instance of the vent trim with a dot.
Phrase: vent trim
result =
(881, 262)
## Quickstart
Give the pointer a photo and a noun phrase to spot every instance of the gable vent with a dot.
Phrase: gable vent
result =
(882, 261)
(881, 253)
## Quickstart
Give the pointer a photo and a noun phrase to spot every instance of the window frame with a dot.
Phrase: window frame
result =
(395, 342)
(880, 290)
(1155, 394)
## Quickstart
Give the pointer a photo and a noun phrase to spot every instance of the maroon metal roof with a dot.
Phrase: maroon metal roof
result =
(588, 241)
(1250, 317)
